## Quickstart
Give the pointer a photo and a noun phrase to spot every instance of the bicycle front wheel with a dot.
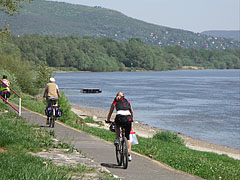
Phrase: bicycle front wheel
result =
(125, 153)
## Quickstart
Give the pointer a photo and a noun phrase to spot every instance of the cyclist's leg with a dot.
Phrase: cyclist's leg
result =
(128, 128)
(8, 95)
(48, 105)
(117, 131)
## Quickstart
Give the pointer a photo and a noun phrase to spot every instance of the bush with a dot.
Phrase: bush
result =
(168, 137)
(67, 114)
(12, 79)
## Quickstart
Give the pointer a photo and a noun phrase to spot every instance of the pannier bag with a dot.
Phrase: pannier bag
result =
(58, 112)
(48, 112)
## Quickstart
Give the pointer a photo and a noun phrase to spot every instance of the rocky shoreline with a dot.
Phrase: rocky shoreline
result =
(145, 130)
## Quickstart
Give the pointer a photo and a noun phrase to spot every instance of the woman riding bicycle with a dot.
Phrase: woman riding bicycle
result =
(124, 118)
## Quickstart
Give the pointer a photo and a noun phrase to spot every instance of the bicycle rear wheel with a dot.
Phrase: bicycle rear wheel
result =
(118, 154)
(125, 153)
(52, 122)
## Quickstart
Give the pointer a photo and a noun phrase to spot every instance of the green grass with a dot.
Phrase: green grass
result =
(168, 148)
(17, 138)
(17, 135)
(20, 165)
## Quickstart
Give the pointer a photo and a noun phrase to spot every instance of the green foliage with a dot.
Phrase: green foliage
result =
(17, 135)
(67, 114)
(38, 17)
(168, 137)
(12, 79)
(33, 103)
(72, 69)
(21, 72)
(168, 149)
(102, 133)
(25, 166)
(10, 7)
(44, 73)
(104, 54)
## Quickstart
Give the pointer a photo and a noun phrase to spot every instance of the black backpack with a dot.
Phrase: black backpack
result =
(123, 104)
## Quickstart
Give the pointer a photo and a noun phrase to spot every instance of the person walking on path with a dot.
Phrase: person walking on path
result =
(124, 118)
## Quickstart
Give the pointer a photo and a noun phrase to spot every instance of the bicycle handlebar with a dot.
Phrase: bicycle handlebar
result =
(108, 121)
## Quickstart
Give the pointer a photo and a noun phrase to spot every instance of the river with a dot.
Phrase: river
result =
(203, 104)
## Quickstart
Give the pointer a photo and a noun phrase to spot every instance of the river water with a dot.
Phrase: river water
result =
(203, 104)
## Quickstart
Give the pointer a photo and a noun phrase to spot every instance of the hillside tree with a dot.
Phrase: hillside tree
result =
(10, 7)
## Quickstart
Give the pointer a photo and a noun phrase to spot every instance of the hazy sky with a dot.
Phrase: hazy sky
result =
(192, 15)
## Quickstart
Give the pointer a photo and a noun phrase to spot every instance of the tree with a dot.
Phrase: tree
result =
(10, 7)
(44, 73)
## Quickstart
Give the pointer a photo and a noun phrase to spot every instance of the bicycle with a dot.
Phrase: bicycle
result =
(121, 148)
(5, 95)
(53, 102)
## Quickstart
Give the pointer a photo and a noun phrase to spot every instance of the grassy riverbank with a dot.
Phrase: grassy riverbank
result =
(165, 147)
(17, 139)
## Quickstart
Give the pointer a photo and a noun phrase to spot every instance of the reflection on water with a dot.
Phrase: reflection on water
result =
(202, 104)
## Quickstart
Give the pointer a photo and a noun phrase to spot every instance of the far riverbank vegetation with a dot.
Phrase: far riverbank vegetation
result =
(105, 54)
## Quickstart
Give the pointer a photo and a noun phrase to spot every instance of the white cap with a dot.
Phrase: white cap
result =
(52, 79)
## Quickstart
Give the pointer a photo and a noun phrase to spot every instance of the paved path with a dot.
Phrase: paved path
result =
(141, 168)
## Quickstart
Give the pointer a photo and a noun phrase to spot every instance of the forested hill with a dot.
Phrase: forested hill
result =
(105, 54)
(63, 19)
(234, 34)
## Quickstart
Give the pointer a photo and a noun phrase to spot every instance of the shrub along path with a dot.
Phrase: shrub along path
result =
(102, 152)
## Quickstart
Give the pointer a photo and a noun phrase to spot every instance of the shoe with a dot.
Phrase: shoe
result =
(116, 141)
(129, 157)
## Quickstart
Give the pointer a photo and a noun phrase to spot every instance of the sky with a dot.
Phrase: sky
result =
(192, 15)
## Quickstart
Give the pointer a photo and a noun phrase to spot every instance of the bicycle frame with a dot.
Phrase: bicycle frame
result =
(122, 149)
(5, 94)
(53, 112)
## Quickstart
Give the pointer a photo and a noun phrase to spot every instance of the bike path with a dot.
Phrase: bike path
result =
(103, 152)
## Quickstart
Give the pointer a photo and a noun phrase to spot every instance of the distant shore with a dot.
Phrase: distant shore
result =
(136, 70)
(145, 130)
